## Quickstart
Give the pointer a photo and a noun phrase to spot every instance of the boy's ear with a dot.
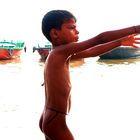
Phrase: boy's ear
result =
(53, 33)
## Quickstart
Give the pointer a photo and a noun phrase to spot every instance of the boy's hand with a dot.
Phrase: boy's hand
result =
(131, 41)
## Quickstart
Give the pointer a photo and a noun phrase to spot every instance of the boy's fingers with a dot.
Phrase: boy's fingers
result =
(137, 38)
(137, 42)
(134, 46)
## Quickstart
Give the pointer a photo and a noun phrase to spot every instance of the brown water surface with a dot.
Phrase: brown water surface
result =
(105, 98)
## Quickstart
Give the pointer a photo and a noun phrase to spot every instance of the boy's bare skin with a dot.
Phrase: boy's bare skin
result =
(57, 76)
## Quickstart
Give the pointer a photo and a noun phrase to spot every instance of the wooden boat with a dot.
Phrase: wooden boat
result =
(122, 53)
(43, 51)
(10, 49)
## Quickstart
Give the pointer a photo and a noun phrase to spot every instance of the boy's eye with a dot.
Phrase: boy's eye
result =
(71, 27)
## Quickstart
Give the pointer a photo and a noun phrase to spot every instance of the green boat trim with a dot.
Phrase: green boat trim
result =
(11, 45)
(47, 46)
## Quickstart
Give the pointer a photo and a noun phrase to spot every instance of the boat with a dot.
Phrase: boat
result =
(43, 51)
(11, 49)
(122, 53)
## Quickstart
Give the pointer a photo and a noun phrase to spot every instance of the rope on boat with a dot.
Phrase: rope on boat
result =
(10, 51)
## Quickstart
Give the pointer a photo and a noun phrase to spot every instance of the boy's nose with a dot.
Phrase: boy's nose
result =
(77, 32)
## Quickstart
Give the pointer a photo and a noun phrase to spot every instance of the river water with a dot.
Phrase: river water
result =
(105, 98)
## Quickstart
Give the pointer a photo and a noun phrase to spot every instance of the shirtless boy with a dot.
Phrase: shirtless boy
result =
(59, 27)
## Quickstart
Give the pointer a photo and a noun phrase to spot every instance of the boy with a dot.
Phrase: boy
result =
(59, 27)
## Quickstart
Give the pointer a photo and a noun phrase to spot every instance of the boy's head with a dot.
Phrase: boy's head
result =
(54, 19)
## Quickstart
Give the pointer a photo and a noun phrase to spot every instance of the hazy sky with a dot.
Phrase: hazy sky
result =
(21, 19)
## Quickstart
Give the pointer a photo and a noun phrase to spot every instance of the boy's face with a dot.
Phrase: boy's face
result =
(68, 32)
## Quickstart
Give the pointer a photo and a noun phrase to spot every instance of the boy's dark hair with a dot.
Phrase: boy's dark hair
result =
(54, 19)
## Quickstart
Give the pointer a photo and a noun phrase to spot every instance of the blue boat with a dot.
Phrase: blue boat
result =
(122, 53)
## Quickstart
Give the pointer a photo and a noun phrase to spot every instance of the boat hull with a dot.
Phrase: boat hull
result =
(42, 51)
(9, 54)
(122, 53)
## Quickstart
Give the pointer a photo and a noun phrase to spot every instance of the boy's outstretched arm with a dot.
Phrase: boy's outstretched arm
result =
(105, 47)
(116, 34)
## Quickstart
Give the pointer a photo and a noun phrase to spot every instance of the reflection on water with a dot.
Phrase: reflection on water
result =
(105, 98)
(13, 61)
(77, 63)
(119, 61)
